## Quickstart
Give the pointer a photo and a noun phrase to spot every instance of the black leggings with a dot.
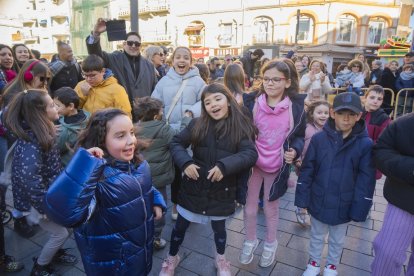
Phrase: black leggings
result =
(181, 225)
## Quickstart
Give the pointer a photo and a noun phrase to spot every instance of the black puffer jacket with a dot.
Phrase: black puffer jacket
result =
(203, 196)
(394, 156)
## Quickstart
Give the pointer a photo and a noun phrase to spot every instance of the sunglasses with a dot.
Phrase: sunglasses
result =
(132, 43)
(43, 79)
(160, 54)
(228, 59)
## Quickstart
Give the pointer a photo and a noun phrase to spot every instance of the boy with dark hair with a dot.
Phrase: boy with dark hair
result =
(71, 119)
(151, 127)
(100, 89)
(336, 181)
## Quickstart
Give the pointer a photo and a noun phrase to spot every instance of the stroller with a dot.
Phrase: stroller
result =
(5, 181)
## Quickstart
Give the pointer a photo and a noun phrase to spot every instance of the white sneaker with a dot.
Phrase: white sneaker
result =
(312, 269)
(169, 265)
(268, 255)
(330, 270)
(222, 265)
(246, 256)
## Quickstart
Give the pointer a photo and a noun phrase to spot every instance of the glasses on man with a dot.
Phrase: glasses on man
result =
(134, 43)
(274, 80)
(89, 76)
(43, 79)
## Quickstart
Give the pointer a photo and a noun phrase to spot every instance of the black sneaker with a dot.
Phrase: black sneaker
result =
(64, 258)
(23, 229)
(8, 264)
(42, 270)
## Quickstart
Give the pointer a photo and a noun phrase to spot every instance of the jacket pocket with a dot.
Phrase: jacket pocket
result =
(130, 256)
(345, 204)
(317, 199)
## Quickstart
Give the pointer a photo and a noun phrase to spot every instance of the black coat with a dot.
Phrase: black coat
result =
(202, 196)
(394, 156)
(388, 80)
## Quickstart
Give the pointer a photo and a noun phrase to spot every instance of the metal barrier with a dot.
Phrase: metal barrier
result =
(405, 95)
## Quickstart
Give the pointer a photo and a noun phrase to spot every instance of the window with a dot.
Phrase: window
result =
(262, 30)
(376, 30)
(225, 37)
(306, 29)
(346, 29)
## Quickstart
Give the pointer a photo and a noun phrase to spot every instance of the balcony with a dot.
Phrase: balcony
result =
(145, 12)
(60, 30)
(157, 39)
(30, 39)
(196, 41)
(261, 39)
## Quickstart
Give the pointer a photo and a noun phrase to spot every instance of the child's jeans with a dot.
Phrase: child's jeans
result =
(392, 242)
(159, 224)
(271, 208)
(58, 236)
(336, 239)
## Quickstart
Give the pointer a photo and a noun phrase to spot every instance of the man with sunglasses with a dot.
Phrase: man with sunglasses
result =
(133, 71)
(215, 70)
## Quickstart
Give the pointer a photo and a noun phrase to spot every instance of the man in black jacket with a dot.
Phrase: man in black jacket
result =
(248, 60)
(394, 156)
(135, 73)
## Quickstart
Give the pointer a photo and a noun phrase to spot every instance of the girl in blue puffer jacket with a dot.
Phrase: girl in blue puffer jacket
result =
(106, 194)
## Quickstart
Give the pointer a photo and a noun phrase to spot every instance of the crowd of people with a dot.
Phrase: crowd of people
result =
(92, 147)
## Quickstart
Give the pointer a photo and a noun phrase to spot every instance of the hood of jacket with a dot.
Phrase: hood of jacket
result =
(78, 125)
(377, 117)
(191, 73)
(149, 129)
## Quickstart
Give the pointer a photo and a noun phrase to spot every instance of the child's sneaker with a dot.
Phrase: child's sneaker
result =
(64, 258)
(268, 255)
(159, 243)
(301, 215)
(330, 270)
(8, 264)
(246, 256)
(312, 269)
(222, 265)
(169, 265)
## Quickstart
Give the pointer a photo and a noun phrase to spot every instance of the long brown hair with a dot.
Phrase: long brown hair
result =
(94, 135)
(236, 125)
(29, 107)
(234, 79)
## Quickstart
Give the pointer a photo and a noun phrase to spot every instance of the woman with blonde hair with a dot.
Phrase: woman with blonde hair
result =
(315, 83)
(155, 55)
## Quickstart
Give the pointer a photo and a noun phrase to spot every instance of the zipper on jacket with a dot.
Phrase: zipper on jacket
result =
(145, 217)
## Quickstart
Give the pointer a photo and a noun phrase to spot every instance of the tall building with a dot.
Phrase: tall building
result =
(37, 23)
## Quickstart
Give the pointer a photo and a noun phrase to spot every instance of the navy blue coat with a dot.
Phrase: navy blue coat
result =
(110, 204)
(337, 180)
(33, 171)
(295, 140)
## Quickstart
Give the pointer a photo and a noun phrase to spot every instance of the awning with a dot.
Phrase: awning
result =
(193, 28)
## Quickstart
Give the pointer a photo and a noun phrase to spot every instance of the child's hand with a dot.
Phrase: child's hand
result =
(191, 171)
(97, 152)
(289, 155)
(157, 212)
(85, 88)
(215, 174)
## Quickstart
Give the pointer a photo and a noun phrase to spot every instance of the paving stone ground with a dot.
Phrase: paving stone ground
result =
(197, 251)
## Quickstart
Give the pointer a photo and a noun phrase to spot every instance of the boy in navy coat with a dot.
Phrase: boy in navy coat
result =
(337, 181)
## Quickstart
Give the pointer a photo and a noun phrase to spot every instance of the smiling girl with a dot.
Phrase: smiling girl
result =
(21, 54)
(223, 147)
(278, 113)
(7, 73)
(180, 90)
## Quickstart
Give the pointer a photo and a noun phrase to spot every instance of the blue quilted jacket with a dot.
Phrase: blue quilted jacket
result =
(110, 205)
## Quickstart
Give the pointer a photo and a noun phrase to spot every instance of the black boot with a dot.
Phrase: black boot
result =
(42, 270)
(23, 229)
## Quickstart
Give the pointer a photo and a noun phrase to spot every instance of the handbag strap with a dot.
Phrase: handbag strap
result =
(175, 100)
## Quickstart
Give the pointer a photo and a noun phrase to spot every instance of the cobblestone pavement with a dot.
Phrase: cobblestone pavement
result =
(198, 249)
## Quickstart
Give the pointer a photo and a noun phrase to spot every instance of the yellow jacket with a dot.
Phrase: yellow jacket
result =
(108, 94)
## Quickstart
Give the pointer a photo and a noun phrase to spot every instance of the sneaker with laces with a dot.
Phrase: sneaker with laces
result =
(169, 265)
(268, 255)
(64, 258)
(222, 265)
(312, 269)
(159, 243)
(330, 270)
(246, 256)
(8, 264)
(42, 270)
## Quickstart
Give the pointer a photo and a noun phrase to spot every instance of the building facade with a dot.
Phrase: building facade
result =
(37, 23)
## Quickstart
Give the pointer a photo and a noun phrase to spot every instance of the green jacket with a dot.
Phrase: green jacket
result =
(159, 135)
(67, 136)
